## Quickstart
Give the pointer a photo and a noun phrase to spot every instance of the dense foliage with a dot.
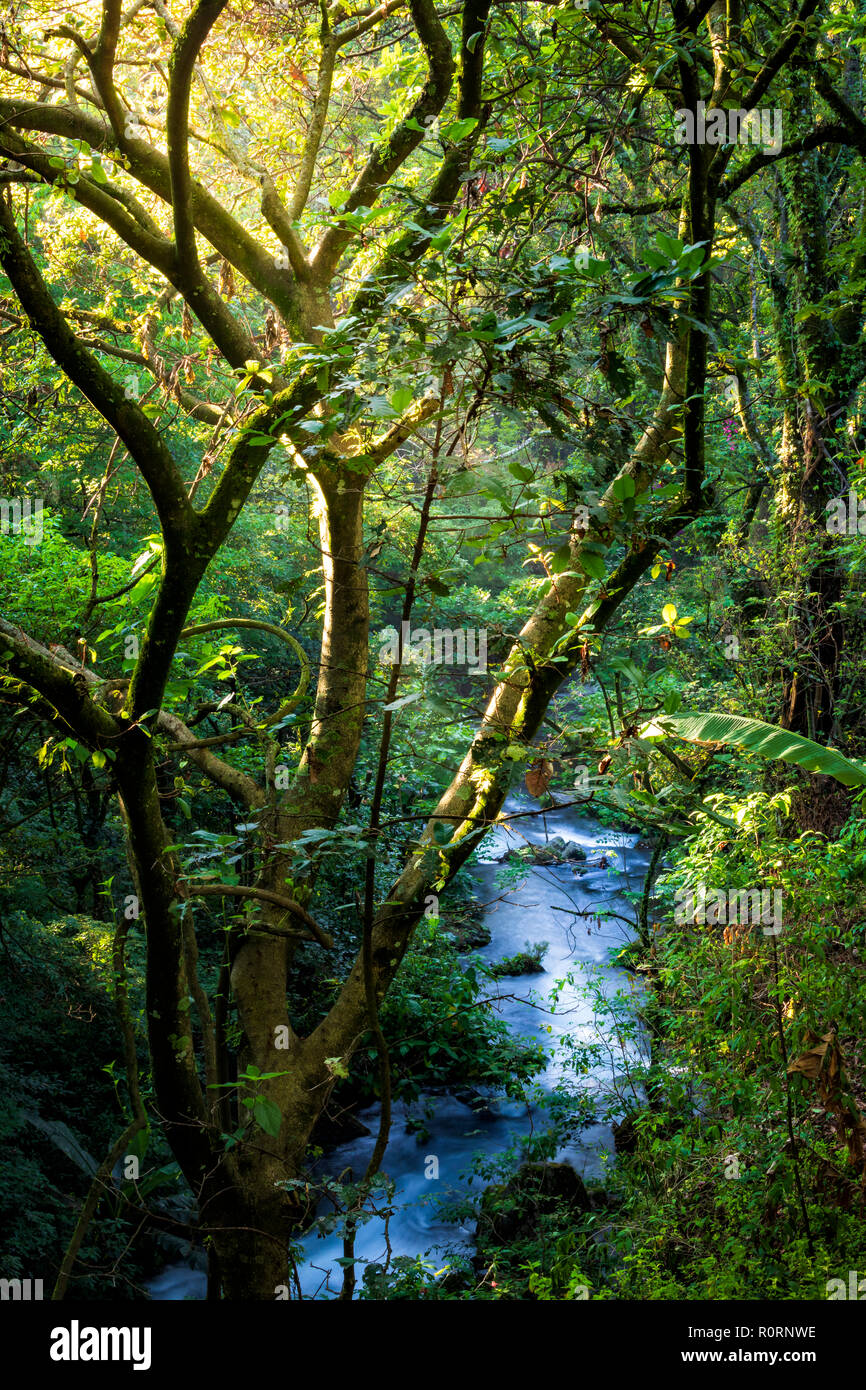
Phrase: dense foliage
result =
(394, 411)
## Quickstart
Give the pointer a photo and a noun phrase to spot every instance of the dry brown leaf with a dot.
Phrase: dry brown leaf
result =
(810, 1063)
(538, 777)
(823, 1063)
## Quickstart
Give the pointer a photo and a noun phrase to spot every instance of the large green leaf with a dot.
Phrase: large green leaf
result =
(764, 739)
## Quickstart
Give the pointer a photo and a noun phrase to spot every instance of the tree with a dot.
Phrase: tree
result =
(372, 273)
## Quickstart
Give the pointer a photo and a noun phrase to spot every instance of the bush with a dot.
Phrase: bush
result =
(440, 1028)
(528, 962)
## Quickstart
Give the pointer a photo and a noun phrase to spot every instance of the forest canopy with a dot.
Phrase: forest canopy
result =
(415, 417)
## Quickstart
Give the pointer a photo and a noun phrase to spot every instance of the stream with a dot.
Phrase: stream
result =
(540, 906)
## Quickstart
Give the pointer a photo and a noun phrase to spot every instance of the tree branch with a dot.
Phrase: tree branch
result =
(389, 154)
(411, 246)
(827, 133)
(181, 67)
(64, 689)
(235, 890)
(776, 62)
(138, 433)
(230, 237)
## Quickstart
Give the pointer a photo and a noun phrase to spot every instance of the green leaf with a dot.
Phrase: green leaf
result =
(562, 559)
(592, 564)
(521, 472)
(626, 667)
(766, 740)
(669, 246)
(437, 587)
(517, 752)
(268, 1116)
(458, 130)
(462, 483)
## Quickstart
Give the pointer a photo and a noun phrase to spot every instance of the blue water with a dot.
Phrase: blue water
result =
(558, 905)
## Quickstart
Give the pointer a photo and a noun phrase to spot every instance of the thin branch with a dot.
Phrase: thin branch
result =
(150, 166)
(236, 890)
(389, 154)
(102, 1178)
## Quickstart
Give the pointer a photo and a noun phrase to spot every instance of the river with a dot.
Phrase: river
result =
(541, 906)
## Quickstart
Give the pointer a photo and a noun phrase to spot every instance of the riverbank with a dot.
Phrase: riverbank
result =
(444, 1147)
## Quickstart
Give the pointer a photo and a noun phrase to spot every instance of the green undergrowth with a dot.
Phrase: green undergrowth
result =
(739, 1095)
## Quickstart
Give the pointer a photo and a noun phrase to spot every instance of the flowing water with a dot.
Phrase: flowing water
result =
(557, 904)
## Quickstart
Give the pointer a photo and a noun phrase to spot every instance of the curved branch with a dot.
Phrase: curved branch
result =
(150, 166)
(181, 67)
(101, 200)
(367, 21)
(238, 784)
(827, 133)
(273, 209)
(234, 890)
(138, 433)
(254, 624)
(234, 342)
(316, 128)
(777, 60)
(64, 689)
(411, 246)
(247, 459)
(402, 429)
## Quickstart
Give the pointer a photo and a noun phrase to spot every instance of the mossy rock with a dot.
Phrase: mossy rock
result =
(469, 935)
(555, 851)
(512, 1211)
